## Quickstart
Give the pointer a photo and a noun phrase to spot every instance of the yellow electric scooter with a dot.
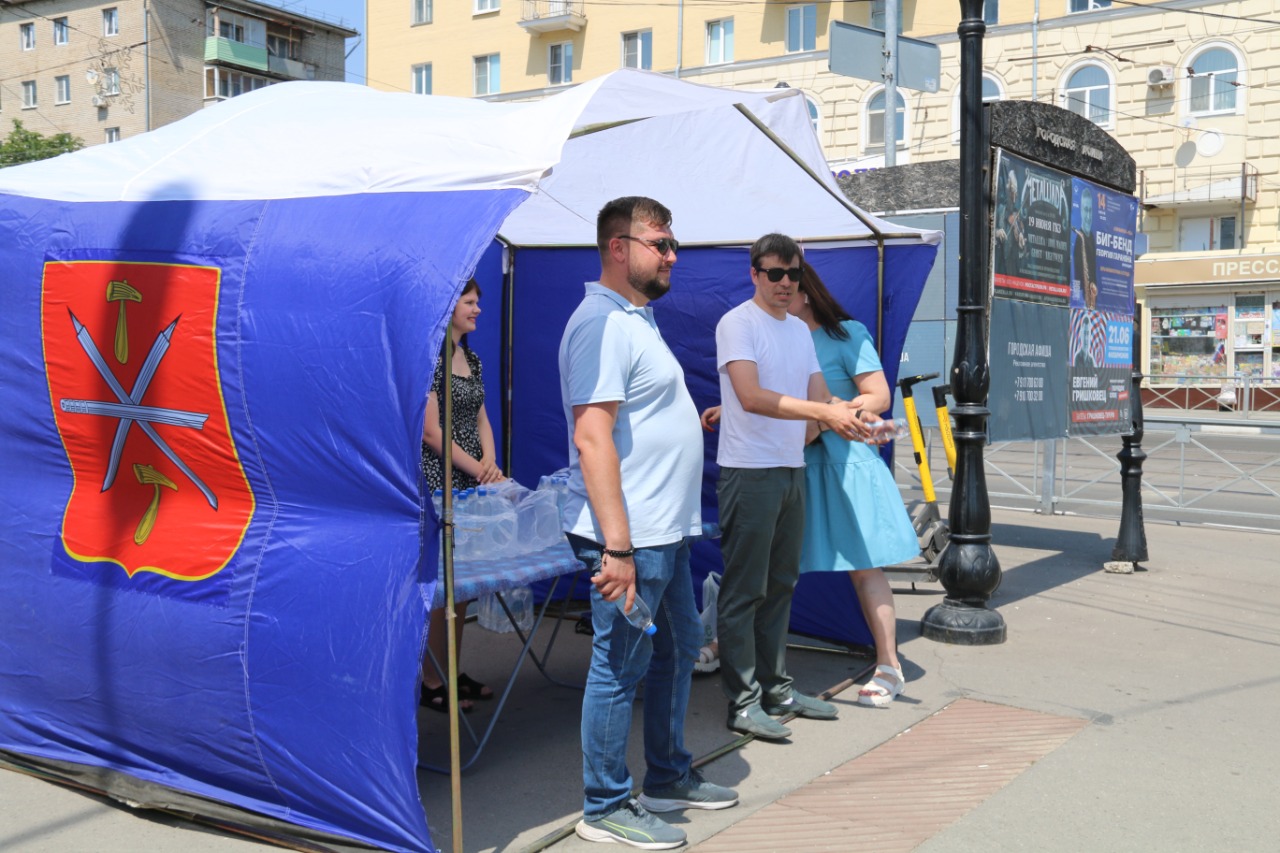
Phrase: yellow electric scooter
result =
(931, 529)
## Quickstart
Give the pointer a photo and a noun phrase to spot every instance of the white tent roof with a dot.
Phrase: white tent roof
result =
(695, 148)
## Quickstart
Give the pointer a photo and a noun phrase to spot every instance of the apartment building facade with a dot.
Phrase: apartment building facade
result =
(1182, 86)
(107, 71)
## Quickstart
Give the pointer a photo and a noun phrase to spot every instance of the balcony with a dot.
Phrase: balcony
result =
(228, 52)
(291, 68)
(550, 16)
(1176, 187)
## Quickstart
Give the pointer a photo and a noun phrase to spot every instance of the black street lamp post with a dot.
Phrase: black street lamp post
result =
(968, 568)
(1131, 541)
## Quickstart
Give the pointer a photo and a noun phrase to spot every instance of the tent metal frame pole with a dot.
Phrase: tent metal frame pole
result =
(880, 236)
(447, 542)
(506, 342)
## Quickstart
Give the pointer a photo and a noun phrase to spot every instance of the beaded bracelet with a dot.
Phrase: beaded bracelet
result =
(619, 555)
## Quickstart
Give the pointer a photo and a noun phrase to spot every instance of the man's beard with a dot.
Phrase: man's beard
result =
(650, 288)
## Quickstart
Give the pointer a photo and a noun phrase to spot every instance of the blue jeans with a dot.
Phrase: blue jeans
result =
(620, 657)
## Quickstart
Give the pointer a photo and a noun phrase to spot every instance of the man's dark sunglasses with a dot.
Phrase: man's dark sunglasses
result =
(775, 275)
(663, 245)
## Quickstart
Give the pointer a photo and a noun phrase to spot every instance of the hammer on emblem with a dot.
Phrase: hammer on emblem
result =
(120, 291)
(149, 476)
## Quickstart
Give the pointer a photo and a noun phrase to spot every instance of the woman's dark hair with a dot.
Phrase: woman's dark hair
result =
(826, 310)
(471, 285)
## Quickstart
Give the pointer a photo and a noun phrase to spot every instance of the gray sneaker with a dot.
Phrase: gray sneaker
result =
(694, 793)
(754, 721)
(802, 706)
(630, 824)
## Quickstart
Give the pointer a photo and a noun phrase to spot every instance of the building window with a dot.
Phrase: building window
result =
(483, 6)
(231, 29)
(111, 134)
(1207, 234)
(876, 119)
(111, 22)
(61, 32)
(27, 34)
(62, 85)
(422, 79)
(815, 115)
(878, 16)
(29, 94)
(283, 46)
(560, 64)
(1214, 77)
(991, 12)
(422, 11)
(238, 28)
(1188, 341)
(802, 28)
(110, 81)
(719, 41)
(991, 91)
(1088, 93)
(1087, 5)
(224, 83)
(637, 50)
(488, 74)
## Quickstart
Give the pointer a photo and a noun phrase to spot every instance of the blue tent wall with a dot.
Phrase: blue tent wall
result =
(285, 683)
(706, 282)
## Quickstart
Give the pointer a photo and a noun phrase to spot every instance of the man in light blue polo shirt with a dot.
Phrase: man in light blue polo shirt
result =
(635, 454)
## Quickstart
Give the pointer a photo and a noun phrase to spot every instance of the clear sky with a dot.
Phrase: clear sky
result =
(348, 12)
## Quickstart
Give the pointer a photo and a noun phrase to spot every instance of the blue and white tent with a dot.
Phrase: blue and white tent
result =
(218, 338)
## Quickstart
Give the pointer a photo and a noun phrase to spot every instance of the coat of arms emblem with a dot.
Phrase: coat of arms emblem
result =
(132, 362)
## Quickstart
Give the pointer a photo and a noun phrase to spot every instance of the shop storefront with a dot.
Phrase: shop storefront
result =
(1212, 323)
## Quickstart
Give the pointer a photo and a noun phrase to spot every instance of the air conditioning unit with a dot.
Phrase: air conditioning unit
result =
(98, 101)
(1159, 76)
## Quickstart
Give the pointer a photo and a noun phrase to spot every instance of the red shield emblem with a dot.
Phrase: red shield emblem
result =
(131, 355)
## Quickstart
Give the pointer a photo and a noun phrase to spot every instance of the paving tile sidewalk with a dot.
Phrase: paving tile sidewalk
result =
(1173, 674)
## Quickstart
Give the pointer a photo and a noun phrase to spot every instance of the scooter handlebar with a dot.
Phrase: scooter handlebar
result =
(906, 382)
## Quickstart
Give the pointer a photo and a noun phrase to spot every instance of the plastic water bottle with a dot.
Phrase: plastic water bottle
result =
(639, 615)
(557, 483)
(465, 528)
(497, 520)
(885, 431)
(548, 526)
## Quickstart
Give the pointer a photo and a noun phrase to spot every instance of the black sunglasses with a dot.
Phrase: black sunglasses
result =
(663, 245)
(775, 275)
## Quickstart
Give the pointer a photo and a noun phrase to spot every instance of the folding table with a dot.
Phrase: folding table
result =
(474, 578)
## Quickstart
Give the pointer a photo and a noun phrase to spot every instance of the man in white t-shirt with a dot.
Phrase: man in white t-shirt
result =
(635, 457)
(770, 385)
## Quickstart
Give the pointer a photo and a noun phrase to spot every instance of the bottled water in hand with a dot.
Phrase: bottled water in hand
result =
(639, 614)
(885, 431)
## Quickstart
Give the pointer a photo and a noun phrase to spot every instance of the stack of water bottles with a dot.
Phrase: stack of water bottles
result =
(502, 521)
(505, 521)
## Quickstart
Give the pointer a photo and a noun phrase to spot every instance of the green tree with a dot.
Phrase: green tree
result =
(26, 146)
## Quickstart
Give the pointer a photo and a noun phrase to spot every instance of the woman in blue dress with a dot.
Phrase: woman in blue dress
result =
(855, 520)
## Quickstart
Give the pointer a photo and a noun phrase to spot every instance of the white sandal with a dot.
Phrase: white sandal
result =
(708, 660)
(880, 692)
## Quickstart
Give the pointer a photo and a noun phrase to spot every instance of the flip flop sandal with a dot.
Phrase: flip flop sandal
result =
(437, 698)
(469, 688)
(880, 691)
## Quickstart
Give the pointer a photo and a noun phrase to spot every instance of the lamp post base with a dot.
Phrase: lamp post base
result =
(962, 624)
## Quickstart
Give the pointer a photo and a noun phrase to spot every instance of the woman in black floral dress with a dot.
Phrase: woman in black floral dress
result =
(473, 465)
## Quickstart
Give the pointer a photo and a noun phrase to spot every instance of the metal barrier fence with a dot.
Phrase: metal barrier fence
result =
(1223, 477)
(1244, 394)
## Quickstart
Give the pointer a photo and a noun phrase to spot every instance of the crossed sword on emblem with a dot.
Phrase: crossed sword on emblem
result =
(129, 410)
